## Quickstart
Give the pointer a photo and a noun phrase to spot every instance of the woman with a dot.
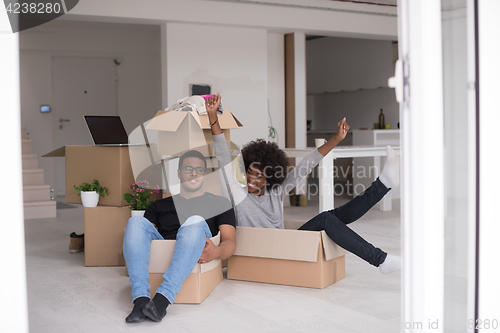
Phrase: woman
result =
(261, 203)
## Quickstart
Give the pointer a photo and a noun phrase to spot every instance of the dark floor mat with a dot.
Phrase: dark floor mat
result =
(62, 205)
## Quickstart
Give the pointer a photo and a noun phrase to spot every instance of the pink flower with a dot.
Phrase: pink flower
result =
(143, 190)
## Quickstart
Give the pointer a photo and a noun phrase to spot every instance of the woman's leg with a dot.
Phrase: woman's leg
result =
(362, 203)
(357, 207)
(345, 237)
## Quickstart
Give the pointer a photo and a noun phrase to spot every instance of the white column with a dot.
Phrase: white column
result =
(300, 100)
(14, 307)
(326, 183)
(164, 72)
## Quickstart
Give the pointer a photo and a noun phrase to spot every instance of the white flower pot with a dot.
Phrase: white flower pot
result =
(89, 199)
(138, 212)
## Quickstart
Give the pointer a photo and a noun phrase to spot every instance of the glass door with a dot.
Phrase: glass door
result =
(436, 88)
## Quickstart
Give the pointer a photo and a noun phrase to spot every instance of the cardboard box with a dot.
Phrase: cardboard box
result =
(286, 256)
(180, 131)
(104, 228)
(197, 286)
(110, 165)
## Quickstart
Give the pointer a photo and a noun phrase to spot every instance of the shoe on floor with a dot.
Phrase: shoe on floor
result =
(76, 244)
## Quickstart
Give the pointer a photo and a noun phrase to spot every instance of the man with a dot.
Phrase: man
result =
(190, 217)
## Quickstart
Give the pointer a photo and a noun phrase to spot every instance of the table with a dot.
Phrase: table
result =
(326, 179)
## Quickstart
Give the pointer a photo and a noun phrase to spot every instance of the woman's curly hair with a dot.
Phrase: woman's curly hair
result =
(268, 158)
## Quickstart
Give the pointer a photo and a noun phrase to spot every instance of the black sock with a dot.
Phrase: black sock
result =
(136, 315)
(156, 309)
(161, 302)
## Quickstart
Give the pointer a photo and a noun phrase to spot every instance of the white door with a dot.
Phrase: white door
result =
(82, 86)
(444, 283)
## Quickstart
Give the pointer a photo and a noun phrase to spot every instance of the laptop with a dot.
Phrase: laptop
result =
(108, 131)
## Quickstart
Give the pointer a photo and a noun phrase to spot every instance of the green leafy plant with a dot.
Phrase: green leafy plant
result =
(94, 186)
(139, 198)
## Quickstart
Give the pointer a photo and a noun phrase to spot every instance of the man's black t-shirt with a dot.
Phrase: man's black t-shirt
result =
(168, 214)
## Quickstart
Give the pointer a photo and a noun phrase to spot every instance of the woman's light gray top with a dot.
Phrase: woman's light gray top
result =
(265, 211)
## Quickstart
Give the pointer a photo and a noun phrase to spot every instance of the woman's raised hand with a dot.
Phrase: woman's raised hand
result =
(212, 104)
(342, 129)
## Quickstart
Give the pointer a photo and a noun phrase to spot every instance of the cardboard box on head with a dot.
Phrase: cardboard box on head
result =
(185, 130)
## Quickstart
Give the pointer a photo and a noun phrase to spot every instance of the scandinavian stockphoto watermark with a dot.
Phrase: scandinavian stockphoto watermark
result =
(329, 188)
(24, 14)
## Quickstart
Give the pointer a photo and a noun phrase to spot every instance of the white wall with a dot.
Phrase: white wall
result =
(233, 61)
(348, 77)
(276, 85)
(139, 75)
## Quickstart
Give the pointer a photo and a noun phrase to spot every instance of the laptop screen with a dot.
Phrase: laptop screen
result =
(106, 130)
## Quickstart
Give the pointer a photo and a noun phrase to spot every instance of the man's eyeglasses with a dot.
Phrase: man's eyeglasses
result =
(188, 170)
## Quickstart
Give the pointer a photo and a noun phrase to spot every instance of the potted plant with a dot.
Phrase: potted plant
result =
(139, 199)
(90, 193)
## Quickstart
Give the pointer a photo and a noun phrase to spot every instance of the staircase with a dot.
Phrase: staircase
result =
(36, 195)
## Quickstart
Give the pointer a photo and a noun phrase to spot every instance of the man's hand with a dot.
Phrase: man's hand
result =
(342, 129)
(210, 252)
(212, 104)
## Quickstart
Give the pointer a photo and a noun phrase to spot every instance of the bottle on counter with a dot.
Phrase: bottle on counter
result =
(381, 120)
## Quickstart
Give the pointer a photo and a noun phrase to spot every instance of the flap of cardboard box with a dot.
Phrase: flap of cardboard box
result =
(163, 250)
(167, 120)
(332, 250)
(277, 243)
(226, 121)
(294, 224)
(171, 120)
(59, 152)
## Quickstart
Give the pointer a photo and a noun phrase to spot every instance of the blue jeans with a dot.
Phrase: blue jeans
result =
(188, 248)
(334, 222)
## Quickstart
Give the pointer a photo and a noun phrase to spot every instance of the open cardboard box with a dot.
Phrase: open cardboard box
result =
(197, 286)
(286, 256)
(180, 131)
(110, 165)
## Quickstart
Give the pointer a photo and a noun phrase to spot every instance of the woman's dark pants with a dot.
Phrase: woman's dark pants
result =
(335, 221)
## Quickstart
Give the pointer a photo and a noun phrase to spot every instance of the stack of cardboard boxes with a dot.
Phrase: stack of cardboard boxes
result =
(103, 225)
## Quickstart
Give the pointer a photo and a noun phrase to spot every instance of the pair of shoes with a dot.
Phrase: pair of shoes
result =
(77, 243)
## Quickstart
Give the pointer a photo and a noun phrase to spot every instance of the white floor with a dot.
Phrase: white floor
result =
(64, 296)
